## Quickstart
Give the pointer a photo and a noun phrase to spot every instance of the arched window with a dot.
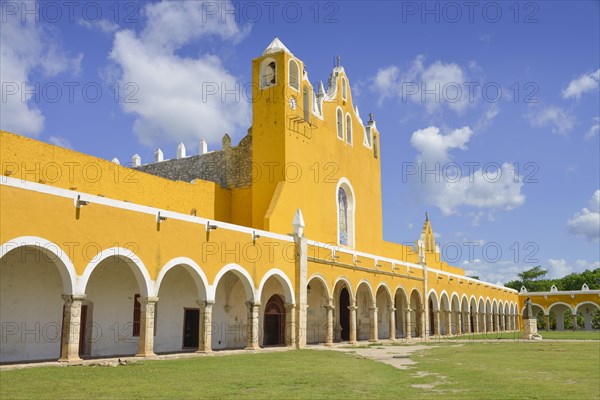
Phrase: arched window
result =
(340, 124)
(348, 129)
(268, 73)
(344, 92)
(367, 141)
(294, 77)
(345, 208)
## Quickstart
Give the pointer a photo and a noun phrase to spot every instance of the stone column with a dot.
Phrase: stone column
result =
(147, 308)
(448, 323)
(436, 322)
(352, 307)
(497, 322)
(468, 327)
(423, 324)
(205, 326)
(71, 329)
(329, 335)
(301, 272)
(374, 328)
(290, 325)
(476, 322)
(252, 333)
(575, 327)
(408, 327)
(392, 312)
(547, 321)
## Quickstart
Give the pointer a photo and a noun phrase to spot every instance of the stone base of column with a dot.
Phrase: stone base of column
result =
(329, 344)
(253, 346)
(148, 354)
(70, 360)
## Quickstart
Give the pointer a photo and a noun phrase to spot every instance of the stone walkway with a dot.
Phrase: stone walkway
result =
(395, 355)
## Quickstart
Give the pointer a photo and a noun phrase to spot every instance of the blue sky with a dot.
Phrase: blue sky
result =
(505, 93)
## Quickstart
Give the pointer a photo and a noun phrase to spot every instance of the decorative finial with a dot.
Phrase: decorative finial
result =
(426, 216)
(370, 117)
(339, 61)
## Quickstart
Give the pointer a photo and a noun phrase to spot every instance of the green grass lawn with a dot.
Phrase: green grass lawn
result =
(578, 335)
(499, 370)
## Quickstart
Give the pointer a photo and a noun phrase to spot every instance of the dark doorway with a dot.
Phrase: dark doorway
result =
(345, 314)
(83, 330)
(431, 318)
(274, 329)
(191, 321)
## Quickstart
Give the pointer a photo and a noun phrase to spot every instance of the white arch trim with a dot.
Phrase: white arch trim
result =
(322, 279)
(435, 296)
(404, 293)
(346, 282)
(587, 302)
(444, 295)
(285, 283)
(241, 273)
(387, 290)
(145, 284)
(198, 275)
(558, 303)
(366, 282)
(68, 273)
(351, 212)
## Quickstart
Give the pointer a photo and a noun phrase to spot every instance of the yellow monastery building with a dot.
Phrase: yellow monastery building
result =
(275, 241)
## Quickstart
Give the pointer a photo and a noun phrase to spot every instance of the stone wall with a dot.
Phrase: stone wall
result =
(230, 167)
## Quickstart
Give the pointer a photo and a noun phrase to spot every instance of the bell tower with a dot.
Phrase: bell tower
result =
(276, 77)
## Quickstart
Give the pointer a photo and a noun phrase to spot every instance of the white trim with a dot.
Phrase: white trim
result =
(145, 284)
(242, 275)
(321, 278)
(124, 205)
(546, 311)
(442, 294)
(529, 294)
(198, 276)
(283, 279)
(338, 112)
(435, 296)
(349, 118)
(289, 84)
(587, 302)
(347, 283)
(68, 273)
(387, 289)
(406, 297)
(261, 67)
(570, 307)
(418, 294)
(368, 285)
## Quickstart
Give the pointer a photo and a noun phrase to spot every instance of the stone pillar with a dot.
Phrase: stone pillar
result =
(301, 264)
(71, 329)
(436, 322)
(468, 327)
(392, 312)
(423, 325)
(352, 307)
(547, 321)
(252, 333)
(290, 325)
(575, 327)
(408, 327)
(148, 306)
(448, 323)
(497, 322)
(329, 335)
(374, 328)
(205, 326)
(476, 322)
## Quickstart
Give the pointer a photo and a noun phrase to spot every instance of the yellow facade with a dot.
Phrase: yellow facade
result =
(247, 235)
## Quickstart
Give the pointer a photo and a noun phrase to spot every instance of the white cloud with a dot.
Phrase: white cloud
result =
(558, 268)
(586, 222)
(451, 186)
(594, 129)
(172, 105)
(28, 46)
(103, 25)
(585, 83)
(502, 271)
(60, 142)
(558, 119)
(433, 86)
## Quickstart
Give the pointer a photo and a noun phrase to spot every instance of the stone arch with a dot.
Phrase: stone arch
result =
(584, 310)
(34, 274)
(293, 74)
(385, 304)
(181, 286)
(402, 305)
(318, 297)
(417, 318)
(266, 79)
(145, 284)
(50, 249)
(197, 274)
(465, 314)
(365, 301)
(434, 308)
(343, 298)
(456, 321)
(243, 276)
(285, 282)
